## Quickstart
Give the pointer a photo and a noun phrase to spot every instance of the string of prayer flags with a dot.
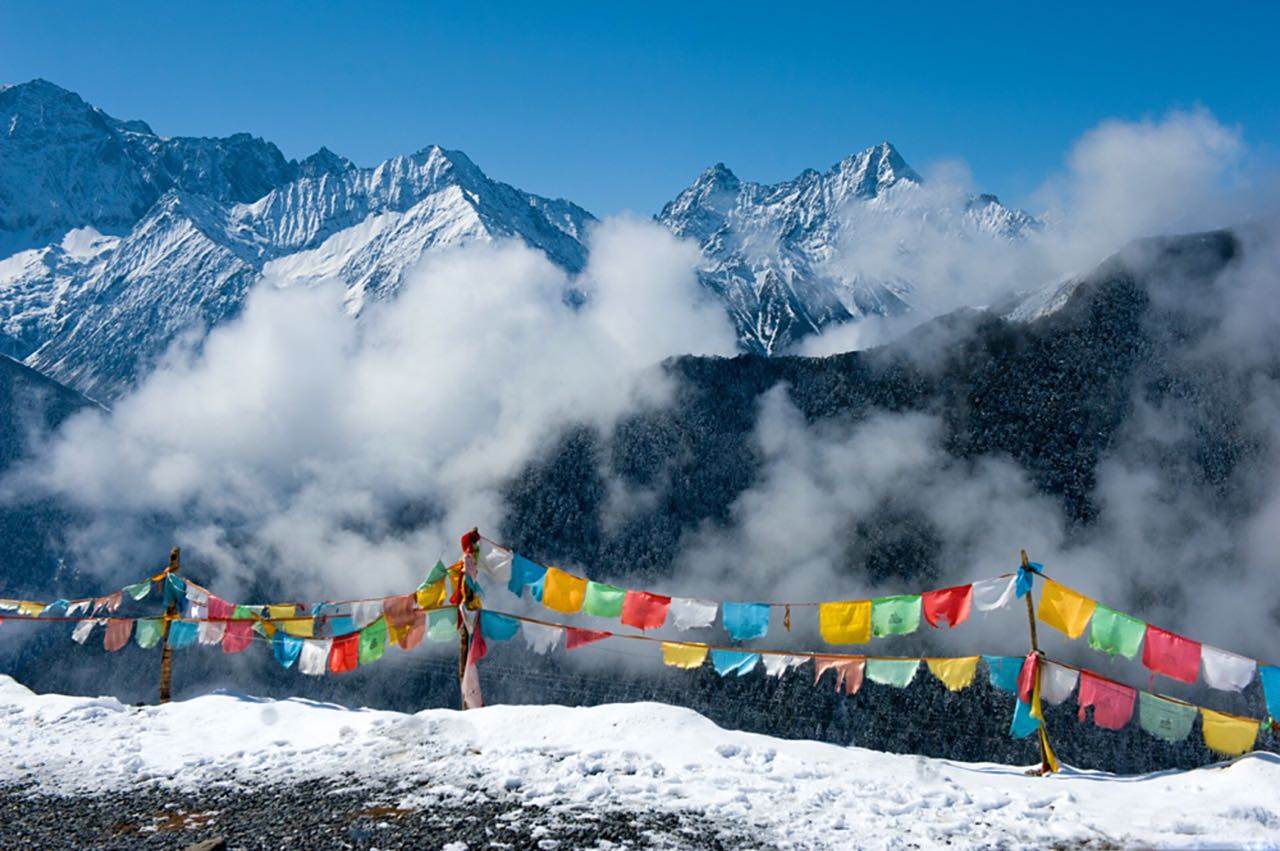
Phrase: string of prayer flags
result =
(1167, 720)
(344, 654)
(1224, 670)
(147, 632)
(1116, 633)
(689, 613)
(182, 634)
(777, 664)
(955, 674)
(81, 633)
(314, 658)
(1064, 609)
(523, 574)
(643, 610)
(687, 656)
(575, 638)
(745, 621)
(498, 627)
(892, 672)
(1228, 734)
(738, 662)
(563, 592)
(117, 635)
(949, 605)
(373, 642)
(1171, 654)
(1057, 682)
(992, 594)
(603, 601)
(442, 625)
(898, 615)
(1003, 671)
(847, 622)
(286, 648)
(1024, 722)
(1112, 702)
(1270, 676)
(849, 672)
(541, 639)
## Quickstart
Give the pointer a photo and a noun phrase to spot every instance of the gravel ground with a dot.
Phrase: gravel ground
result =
(317, 816)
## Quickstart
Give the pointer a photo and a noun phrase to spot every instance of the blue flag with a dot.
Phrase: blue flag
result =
(734, 661)
(525, 572)
(182, 634)
(1270, 675)
(1023, 724)
(1003, 671)
(496, 627)
(745, 621)
(286, 648)
(1025, 578)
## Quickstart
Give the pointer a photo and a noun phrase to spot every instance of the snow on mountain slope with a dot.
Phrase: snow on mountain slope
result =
(643, 756)
(773, 252)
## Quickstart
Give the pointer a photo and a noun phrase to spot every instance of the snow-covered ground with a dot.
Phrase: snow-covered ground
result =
(641, 757)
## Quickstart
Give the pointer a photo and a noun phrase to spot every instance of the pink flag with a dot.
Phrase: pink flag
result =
(238, 635)
(1112, 703)
(109, 603)
(219, 608)
(949, 604)
(1168, 653)
(575, 638)
(400, 610)
(413, 637)
(643, 610)
(117, 635)
(848, 672)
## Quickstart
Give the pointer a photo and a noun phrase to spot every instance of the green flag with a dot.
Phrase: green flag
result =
(138, 590)
(1115, 632)
(895, 615)
(603, 601)
(892, 672)
(442, 625)
(1165, 719)
(373, 641)
(146, 632)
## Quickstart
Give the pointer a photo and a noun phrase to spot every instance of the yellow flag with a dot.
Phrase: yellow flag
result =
(1064, 609)
(1227, 734)
(956, 674)
(29, 609)
(563, 592)
(432, 596)
(847, 622)
(683, 655)
(396, 633)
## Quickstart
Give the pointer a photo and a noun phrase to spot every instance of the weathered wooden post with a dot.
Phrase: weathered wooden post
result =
(1048, 762)
(166, 655)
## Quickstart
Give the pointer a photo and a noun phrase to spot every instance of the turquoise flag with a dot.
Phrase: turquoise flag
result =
(138, 590)
(496, 627)
(745, 621)
(1003, 671)
(1023, 724)
(286, 648)
(892, 672)
(183, 634)
(1270, 676)
(525, 572)
(734, 661)
(442, 625)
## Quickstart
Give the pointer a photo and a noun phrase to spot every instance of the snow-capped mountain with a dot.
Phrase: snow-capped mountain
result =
(128, 239)
(772, 251)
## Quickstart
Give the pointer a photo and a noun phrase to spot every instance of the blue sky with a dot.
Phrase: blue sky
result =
(620, 107)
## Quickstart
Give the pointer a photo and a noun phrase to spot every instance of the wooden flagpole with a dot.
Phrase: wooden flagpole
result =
(166, 656)
(1048, 762)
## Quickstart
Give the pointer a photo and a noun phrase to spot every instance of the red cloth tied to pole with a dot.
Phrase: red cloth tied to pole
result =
(575, 638)
(400, 610)
(344, 654)
(1112, 703)
(643, 610)
(949, 604)
(1168, 653)
(1027, 677)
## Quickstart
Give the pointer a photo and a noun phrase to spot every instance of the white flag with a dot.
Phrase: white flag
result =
(992, 594)
(314, 658)
(541, 639)
(1057, 682)
(689, 613)
(1225, 670)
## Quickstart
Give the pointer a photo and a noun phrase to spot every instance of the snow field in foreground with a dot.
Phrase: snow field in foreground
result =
(643, 756)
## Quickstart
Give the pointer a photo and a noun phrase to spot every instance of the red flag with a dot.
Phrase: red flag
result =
(643, 610)
(344, 655)
(1112, 703)
(118, 632)
(575, 637)
(1027, 677)
(949, 604)
(238, 635)
(1167, 653)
